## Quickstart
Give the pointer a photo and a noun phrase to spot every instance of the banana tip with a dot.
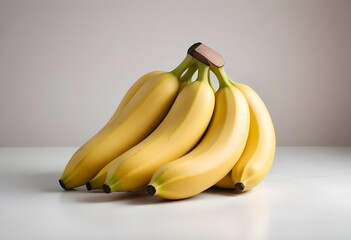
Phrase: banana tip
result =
(62, 184)
(239, 187)
(106, 188)
(88, 186)
(151, 190)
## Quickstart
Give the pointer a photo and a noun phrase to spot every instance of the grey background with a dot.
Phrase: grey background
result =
(64, 65)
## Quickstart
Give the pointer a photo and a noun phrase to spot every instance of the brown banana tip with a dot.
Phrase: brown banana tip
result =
(88, 186)
(106, 188)
(239, 187)
(62, 184)
(151, 190)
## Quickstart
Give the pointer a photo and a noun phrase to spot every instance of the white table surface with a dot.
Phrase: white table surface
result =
(307, 195)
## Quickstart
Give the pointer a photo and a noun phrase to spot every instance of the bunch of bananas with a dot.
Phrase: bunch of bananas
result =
(176, 136)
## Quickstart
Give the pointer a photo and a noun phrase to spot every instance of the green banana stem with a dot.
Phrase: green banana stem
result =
(227, 77)
(210, 82)
(221, 76)
(189, 74)
(203, 71)
(231, 81)
(178, 71)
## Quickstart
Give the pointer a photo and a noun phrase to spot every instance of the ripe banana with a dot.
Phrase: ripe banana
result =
(174, 137)
(124, 102)
(131, 92)
(150, 103)
(257, 158)
(215, 155)
(98, 181)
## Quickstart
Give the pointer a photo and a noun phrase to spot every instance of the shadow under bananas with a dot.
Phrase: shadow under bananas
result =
(47, 182)
(224, 192)
(135, 198)
(128, 198)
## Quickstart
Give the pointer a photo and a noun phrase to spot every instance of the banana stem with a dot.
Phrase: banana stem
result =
(203, 71)
(221, 76)
(189, 73)
(210, 82)
(231, 81)
(188, 60)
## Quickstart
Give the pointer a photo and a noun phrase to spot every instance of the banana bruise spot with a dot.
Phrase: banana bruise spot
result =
(239, 187)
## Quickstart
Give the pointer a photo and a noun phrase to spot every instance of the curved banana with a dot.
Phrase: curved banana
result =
(257, 158)
(131, 92)
(98, 181)
(150, 103)
(216, 154)
(125, 100)
(174, 137)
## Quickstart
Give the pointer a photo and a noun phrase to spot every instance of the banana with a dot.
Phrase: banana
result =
(124, 102)
(131, 92)
(150, 103)
(257, 158)
(174, 137)
(98, 181)
(215, 155)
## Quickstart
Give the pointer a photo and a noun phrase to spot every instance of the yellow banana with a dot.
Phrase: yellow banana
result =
(138, 118)
(98, 181)
(257, 158)
(131, 92)
(174, 137)
(215, 155)
(125, 100)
